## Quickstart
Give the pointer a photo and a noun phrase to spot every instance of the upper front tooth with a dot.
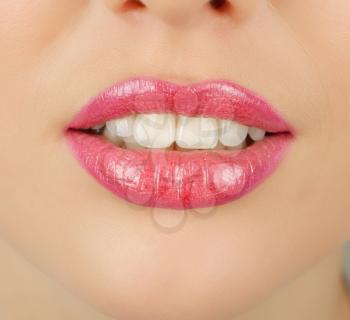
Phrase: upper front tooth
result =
(196, 133)
(130, 143)
(121, 127)
(256, 133)
(232, 133)
(155, 130)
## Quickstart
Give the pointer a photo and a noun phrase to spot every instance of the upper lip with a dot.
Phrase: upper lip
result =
(221, 99)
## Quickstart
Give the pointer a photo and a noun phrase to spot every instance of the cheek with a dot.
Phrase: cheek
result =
(324, 29)
(29, 26)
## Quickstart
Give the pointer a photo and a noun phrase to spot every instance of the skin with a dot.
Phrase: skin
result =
(273, 254)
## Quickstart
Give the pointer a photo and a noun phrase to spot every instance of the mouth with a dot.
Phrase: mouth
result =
(163, 145)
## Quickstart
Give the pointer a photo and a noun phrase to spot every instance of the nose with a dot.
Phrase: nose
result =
(182, 11)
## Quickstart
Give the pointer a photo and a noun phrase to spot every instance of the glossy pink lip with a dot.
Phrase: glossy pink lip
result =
(175, 179)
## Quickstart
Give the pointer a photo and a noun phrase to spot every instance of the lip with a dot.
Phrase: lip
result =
(174, 179)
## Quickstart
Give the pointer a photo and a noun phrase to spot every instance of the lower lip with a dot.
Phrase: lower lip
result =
(175, 179)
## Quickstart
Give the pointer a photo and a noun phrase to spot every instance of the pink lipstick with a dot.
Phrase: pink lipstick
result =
(171, 178)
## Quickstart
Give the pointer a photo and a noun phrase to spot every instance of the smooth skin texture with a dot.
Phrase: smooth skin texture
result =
(71, 250)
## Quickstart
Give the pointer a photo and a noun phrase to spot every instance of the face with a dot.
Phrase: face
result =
(136, 262)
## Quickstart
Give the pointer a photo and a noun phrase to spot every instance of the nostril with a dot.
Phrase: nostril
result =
(220, 5)
(132, 5)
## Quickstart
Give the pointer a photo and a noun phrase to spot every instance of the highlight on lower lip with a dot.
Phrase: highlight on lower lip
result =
(175, 179)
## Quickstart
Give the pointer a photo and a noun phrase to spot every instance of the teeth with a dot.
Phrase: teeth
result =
(240, 146)
(121, 127)
(155, 130)
(111, 136)
(98, 127)
(196, 133)
(232, 133)
(161, 131)
(131, 143)
(256, 134)
(219, 146)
